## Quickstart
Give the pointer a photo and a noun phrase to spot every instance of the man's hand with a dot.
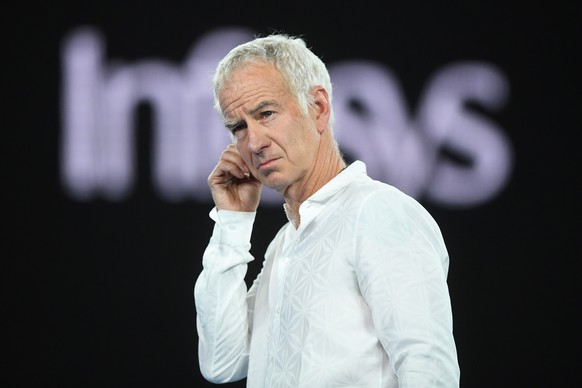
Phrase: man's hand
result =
(232, 185)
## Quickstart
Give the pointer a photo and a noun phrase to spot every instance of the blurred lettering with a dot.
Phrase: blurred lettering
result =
(448, 152)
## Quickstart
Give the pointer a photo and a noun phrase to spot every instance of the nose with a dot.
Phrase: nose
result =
(257, 138)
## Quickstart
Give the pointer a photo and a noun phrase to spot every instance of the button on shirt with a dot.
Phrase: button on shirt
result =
(355, 297)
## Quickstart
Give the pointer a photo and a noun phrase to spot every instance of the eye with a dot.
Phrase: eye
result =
(238, 127)
(267, 114)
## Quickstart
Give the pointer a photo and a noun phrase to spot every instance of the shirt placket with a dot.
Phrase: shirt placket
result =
(280, 274)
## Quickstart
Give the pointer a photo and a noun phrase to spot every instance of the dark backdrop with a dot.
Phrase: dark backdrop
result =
(100, 293)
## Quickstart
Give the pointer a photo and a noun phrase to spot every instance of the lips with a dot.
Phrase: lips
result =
(267, 164)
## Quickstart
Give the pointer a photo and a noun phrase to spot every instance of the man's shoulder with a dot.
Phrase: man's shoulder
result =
(374, 194)
(366, 187)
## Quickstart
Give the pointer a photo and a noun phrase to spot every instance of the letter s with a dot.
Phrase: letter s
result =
(447, 122)
(373, 124)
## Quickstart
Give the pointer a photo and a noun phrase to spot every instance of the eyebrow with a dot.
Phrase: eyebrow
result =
(230, 125)
(261, 105)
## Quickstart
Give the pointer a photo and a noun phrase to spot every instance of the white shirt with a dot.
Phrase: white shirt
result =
(355, 297)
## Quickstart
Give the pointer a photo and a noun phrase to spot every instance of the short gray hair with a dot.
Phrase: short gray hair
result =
(300, 67)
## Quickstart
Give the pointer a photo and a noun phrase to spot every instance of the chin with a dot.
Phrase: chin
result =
(272, 182)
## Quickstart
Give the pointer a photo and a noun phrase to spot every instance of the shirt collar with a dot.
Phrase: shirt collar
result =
(341, 180)
(354, 171)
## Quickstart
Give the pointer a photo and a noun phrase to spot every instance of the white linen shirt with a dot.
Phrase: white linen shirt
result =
(355, 297)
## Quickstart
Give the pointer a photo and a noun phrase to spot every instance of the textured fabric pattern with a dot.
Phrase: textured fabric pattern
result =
(355, 297)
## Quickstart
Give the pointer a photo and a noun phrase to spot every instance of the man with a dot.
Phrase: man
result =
(353, 289)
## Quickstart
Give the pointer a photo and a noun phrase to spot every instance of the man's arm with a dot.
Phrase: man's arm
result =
(220, 294)
(402, 266)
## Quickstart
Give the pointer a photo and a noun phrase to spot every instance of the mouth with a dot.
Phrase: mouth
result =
(266, 164)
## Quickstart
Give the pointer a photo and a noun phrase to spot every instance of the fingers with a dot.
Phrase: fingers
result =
(231, 184)
(230, 164)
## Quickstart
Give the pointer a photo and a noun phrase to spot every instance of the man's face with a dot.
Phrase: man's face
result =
(274, 137)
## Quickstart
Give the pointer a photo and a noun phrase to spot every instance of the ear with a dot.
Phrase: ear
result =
(322, 108)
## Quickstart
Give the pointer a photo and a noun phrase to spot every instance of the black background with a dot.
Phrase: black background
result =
(100, 294)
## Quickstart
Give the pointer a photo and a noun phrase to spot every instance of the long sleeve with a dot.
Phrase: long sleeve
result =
(220, 295)
(402, 266)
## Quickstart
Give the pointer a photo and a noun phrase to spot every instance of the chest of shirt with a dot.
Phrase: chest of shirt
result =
(313, 270)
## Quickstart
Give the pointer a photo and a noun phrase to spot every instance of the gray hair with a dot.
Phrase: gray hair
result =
(300, 67)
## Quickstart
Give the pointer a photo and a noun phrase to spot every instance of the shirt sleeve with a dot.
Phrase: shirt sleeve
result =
(402, 265)
(220, 295)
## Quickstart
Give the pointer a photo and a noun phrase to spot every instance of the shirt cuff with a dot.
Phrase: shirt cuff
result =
(233, 227)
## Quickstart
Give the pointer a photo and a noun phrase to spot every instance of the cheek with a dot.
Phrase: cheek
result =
(302, 135)
(302, 147)
(244, 153)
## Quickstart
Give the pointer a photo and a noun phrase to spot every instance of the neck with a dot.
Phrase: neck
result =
(326, 168)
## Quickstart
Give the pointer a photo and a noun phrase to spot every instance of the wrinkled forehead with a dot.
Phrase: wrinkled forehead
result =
(250, 81)
(232, 72)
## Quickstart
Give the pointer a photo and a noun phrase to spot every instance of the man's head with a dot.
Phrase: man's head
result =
(300, 67)
(272, 94)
